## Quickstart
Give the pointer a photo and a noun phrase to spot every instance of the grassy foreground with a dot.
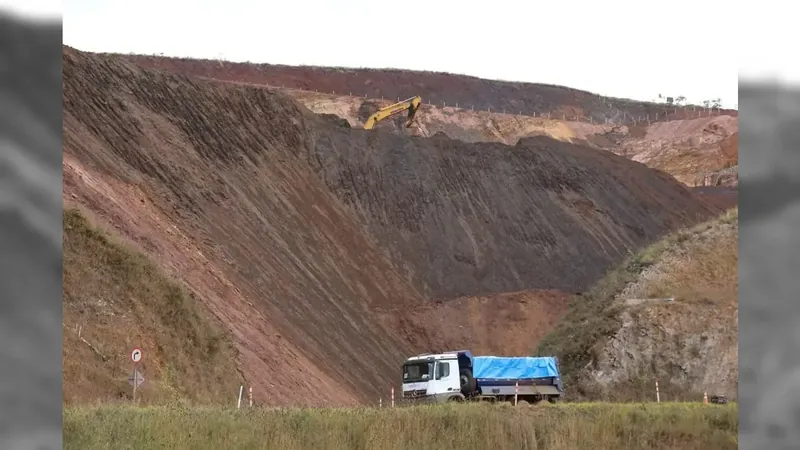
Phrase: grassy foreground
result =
(479, 427)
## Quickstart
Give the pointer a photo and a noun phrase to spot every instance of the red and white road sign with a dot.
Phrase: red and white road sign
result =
(136, 355)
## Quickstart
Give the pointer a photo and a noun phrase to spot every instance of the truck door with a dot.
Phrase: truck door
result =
(446, 378)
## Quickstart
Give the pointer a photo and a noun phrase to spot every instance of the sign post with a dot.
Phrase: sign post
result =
(136, 379)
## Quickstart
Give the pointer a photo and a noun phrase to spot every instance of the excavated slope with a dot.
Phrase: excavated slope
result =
(457, 123)
(213, 184)
(473, 218)
(687, 149)
(505, 324)
(300, 235)
(701, 152)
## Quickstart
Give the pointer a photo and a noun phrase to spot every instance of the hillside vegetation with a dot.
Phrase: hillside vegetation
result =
(461, 427)
(116, 299)
(669, 312)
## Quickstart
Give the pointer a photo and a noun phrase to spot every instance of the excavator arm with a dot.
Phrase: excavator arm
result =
(411, 104)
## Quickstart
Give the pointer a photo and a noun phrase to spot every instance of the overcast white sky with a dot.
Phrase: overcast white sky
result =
(623, 48)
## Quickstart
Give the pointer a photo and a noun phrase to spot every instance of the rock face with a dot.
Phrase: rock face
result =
(689, 341)
(693, 347)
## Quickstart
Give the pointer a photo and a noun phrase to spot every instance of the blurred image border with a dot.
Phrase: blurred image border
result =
(28, 36)
(769, 214)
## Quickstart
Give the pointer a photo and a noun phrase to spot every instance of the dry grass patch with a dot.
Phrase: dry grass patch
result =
(463, 427)
(700, 264)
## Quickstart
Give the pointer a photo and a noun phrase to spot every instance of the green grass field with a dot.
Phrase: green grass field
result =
(591, 426)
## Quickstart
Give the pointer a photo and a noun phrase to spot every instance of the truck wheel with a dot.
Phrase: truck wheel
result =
(552, 400)
(468, 385)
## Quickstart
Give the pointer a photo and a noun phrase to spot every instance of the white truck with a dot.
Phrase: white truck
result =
(459, 376)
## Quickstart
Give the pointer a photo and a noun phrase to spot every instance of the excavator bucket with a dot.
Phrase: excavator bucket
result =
(412, 114)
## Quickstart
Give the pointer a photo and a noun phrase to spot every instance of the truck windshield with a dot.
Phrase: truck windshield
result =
(413, 372)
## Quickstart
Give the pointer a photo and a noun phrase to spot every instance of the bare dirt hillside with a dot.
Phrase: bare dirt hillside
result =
(436, 88)
(465, 219)
(689, 150)
(695, 146)
(190, 174)
(670, 312)
(300, 235)
(506, 324)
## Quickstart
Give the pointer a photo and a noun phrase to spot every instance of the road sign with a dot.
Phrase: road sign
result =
(136, 379)
(136, 355)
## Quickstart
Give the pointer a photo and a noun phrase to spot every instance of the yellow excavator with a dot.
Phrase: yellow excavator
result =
(412, 105)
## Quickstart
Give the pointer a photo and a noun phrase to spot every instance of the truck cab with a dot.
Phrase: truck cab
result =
(435, 377)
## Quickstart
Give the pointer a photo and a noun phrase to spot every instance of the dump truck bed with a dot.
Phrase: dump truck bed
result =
(514, 368)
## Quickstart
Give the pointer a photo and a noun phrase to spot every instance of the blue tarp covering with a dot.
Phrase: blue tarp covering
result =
(502, 368)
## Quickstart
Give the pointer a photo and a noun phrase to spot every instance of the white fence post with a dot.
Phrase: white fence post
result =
(516, 392)
(392, 396)
(658, 394)
(239, 402)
